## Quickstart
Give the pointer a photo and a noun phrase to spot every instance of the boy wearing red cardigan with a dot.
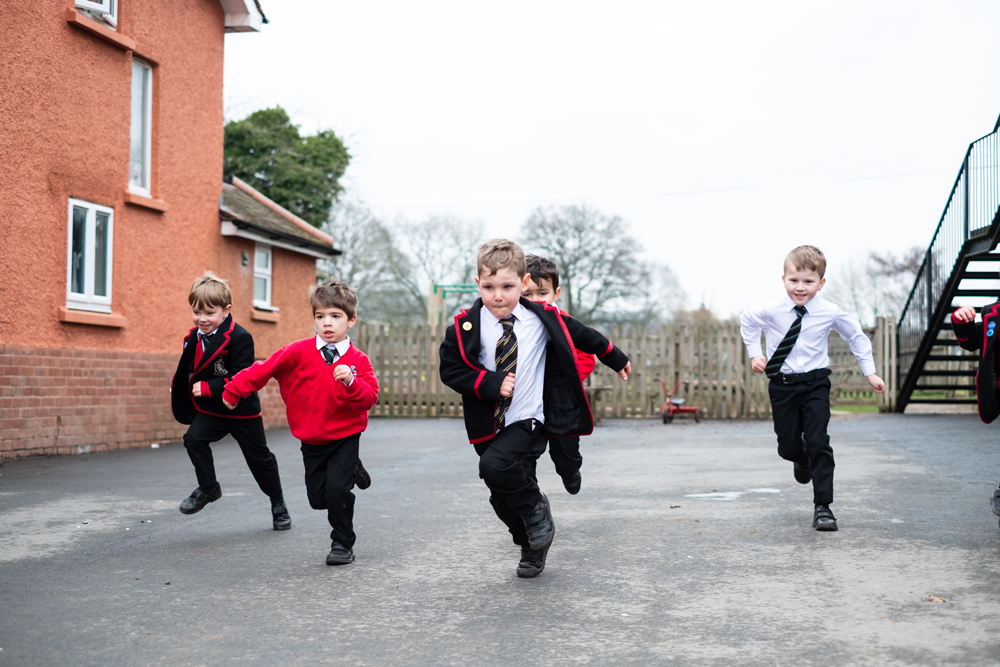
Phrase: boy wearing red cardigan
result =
(328, 386)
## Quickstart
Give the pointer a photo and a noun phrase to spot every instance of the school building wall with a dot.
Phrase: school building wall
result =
(71, 379)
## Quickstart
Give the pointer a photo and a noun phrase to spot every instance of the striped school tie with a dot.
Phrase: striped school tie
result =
(787, 343)
(506, 357)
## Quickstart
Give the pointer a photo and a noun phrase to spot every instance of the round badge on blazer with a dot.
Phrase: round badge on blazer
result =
(467, 326)
(989, 332)
(991, 325)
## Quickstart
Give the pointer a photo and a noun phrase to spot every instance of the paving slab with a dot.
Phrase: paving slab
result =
(690, 544)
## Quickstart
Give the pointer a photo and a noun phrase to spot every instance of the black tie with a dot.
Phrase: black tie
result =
(787, 343)
(206, 340)
(506, 357)
(330, 354)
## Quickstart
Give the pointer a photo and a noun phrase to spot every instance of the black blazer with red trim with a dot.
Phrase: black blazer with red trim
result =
(972, 337)
(566, 409)
(230, 351)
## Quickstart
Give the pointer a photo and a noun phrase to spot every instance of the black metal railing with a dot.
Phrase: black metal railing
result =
(970, 212)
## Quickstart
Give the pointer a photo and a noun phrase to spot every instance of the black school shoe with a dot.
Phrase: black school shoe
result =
(823, 518)
(198, 499)
(995, 502)
(339, 555)
(279, 516)
(540, 526)
(573, 482)
(532, 562)
(362, 479)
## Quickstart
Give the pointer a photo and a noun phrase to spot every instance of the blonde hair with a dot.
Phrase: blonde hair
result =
(210, 291)
(500, 254)
(806, 258)
(334, 294)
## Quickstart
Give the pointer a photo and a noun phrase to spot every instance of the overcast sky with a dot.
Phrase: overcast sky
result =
(723, 133)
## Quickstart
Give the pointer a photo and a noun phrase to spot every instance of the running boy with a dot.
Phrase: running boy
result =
(505, 338)
(543, 285)
(797, 327)
(215, 350)
(328, 386)
(972, 337)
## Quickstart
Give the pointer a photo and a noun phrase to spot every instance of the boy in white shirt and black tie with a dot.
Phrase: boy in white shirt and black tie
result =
(797, 327)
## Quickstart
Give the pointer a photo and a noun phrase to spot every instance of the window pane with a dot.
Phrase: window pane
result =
(101, 255)
(79, 245)
(263, 260)
(259, 289)
(138, 172)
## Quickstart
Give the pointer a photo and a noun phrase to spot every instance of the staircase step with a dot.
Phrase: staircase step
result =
(944, 401)
(976, 292)
(952, 357)
(944, 387)
(947, 373)
(979, 275)
(946, 341)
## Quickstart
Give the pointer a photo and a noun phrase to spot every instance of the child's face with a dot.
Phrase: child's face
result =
(501, 291)
(801, 285)
(332, 324)
(208, 318)
(541, 291)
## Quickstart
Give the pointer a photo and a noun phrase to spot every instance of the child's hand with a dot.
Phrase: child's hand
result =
(964, 315)
(876, 383)
(507, 387)
(196, 389)
(344, 374)
(625, 372)
(758, 364)
(231, 406)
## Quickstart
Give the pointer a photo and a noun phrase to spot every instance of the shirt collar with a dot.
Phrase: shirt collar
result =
(790, 305)
(342, 346)
(210, 333)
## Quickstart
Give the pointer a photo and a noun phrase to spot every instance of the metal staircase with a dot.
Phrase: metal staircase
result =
(959, 269)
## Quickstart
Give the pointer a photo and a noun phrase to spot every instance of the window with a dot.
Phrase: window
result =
(89, 255)
(262, 277)
(102, 10)
(140, 145)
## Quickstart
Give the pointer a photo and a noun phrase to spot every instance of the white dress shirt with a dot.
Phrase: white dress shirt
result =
(810, 350)
(529, 375)
(342, 347)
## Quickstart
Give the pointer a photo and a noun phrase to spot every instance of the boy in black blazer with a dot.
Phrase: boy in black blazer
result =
(514, 363)
(984, 338)
(215, 350)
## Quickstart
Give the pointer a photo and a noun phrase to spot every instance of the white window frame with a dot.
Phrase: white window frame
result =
(146, 188)
(88, 300)
(107, 14)
(266, 273)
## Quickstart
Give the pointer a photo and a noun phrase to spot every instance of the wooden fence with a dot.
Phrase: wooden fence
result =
(709, 362)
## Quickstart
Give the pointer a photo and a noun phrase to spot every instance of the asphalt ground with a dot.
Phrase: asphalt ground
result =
(690, 544)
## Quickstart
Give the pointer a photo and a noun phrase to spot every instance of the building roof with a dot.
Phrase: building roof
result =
(250, 210)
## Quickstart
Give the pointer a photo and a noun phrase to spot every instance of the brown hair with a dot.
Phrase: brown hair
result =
(500, 254)
(334, 294)
(806, 258)
(542, 268)
(209, 291)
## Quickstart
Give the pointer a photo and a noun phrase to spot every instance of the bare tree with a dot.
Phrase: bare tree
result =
(600, 272)
(874, 285)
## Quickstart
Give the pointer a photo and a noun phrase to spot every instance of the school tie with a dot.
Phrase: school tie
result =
(206, 340)
(785, 346)
(506, 357)
(330, 354)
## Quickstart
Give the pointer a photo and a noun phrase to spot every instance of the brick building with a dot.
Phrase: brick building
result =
(112, 202)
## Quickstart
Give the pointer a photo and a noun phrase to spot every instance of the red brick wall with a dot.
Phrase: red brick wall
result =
(64, 401)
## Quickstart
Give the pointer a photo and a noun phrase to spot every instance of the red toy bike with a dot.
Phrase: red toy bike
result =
(675, 406)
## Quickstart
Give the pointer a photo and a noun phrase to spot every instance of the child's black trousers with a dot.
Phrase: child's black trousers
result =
(329, 480)
(507, 465)
(249, 434)
(801, 413)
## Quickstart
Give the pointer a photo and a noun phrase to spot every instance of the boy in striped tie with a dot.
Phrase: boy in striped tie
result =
(513, 362)
(797, 327)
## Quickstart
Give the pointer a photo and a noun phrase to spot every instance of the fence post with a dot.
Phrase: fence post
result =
(885, 361)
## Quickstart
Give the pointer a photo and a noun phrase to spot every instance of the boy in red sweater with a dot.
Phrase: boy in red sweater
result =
(564, 450)
(328, 386)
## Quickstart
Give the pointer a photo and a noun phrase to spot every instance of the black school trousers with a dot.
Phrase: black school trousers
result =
(507, 465)
(249, 434)
(329, 480)
(801, 413)
(564, 450)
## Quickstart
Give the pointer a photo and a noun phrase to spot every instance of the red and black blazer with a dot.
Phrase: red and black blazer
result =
(566, 409)
(973, 337)
(230, 351)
